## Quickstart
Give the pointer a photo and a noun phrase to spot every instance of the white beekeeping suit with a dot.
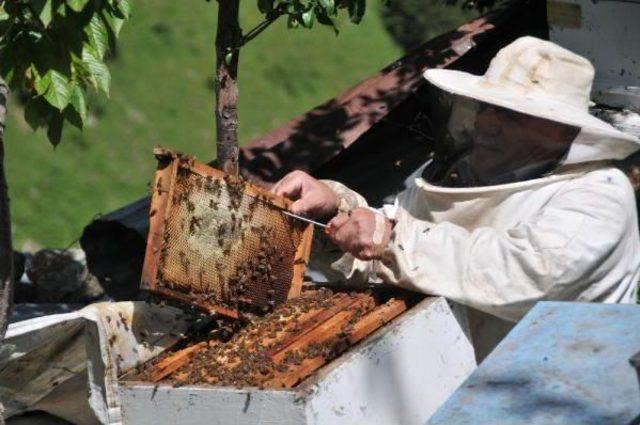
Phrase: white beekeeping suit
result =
(509, 220)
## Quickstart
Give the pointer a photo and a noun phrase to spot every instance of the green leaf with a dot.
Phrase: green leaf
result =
(73, 117)
(328, 5)
(292, 22)
(115, 23)
(308, 17)
(37, 112)
(77, 5)
(61, 10)
(78, 102)
(40, 84)
(97, 35)
(54, 87)
(124, 8)
(327, 20)
(265, 6)
(43, 9)
(356, 10)
(279, 3)
(98, 73)
(54, 130)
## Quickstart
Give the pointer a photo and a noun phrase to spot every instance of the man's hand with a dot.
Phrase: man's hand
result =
(363, 233)
(312, 198)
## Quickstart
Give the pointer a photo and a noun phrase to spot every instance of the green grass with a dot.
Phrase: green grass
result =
(161, 93)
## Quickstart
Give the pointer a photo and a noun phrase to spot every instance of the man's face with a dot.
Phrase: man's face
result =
(506, 140)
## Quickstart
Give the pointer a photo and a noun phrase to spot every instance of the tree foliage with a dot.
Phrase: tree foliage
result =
(304, 14)
(54, 51)
(412, 22)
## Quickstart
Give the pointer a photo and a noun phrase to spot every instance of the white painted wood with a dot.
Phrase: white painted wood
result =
(144, 405)
(607, 33)
(401, 375)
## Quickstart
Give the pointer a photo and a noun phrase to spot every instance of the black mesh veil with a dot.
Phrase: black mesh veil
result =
(480, 144)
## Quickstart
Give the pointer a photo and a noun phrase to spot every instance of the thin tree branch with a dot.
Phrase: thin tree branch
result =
(254, 32)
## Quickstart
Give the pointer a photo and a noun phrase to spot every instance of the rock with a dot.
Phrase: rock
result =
(62, 276)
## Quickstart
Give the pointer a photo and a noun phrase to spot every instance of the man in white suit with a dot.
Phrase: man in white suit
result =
(519, 203)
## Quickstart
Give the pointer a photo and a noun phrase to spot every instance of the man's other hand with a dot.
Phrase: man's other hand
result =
(363, 233)
(311, 197)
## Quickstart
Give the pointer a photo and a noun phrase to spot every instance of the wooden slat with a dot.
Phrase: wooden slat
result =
(172, 363)
(376, 319)
(250, 189)
(210, 308)
(362, 328)
(327, 329)
(313, 320)
(162, 188)
(301, 257)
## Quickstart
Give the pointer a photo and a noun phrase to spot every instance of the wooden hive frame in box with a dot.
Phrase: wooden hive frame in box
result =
(282, 348)
(219, 243)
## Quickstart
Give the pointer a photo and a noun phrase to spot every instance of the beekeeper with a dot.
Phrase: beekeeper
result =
(518, 204)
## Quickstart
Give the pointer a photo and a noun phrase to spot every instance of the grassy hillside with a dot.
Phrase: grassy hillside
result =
(162, 93)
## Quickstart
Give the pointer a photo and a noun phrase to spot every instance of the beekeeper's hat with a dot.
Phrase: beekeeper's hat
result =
(539, 78)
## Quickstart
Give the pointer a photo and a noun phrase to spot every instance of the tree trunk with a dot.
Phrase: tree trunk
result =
(6, 247)
(228, 39)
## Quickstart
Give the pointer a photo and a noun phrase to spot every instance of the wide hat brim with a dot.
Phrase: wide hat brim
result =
(476, 87)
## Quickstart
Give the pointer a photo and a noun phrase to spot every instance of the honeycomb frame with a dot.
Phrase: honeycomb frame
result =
(163, 212)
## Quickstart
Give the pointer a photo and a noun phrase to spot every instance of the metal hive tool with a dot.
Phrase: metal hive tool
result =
(219, 243)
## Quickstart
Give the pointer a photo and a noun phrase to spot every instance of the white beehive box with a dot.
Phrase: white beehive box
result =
(399, 374)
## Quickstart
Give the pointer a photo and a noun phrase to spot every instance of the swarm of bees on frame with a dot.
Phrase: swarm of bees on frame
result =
(235, 284)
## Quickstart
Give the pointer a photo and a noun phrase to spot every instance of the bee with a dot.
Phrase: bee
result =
(159, 186)
(200, 278)
(222, 230)
(194, 224)
(199, 184)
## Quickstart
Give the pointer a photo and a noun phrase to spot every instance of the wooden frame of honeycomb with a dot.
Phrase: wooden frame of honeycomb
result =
(218, 243)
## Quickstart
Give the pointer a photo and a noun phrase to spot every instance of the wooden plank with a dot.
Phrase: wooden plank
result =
(158, 211)
(362, 328)
(328, 328)
(172, 363)
(250, 188)
(207, 307)
(313, 320)
(301, 258)
(376, 319)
